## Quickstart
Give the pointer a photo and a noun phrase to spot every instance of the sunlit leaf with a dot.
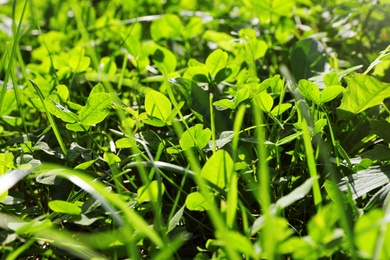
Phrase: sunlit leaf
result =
(309, 90)
(60, 111)
(61, 206)
(157, 105)
(195, 136)
(264, 101)
(216, 61)
(363, 92)
(150, 192)
(197, 202)
(219, 169)
(97, 108)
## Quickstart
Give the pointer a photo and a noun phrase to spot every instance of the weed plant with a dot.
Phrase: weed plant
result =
(194, 129)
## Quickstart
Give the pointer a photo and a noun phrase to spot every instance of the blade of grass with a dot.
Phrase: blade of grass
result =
(232, 196)
(52, 121)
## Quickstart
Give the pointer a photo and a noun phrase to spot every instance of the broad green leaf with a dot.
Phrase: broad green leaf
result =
(85, 165)
(63, 92)
(280, 109)
(157, 105)
(224, 104)
(321, 227)
(193, 28)
(197, 73)
(224, 40)
(165, 60)
(330, 93)
(79, 63)
(363, 92)
(97, 108)
(264, 101)
(6, 162)
(307, 58)
(379, 152)
(107, 65)
(168, 27)
(216, 61)
(241, 95)
(319, 125)
(150, 192)
(111, 158)
(197, 202)
(381, 128)
(77, 127)
(367, 231)
(9, 103)
(60, 111)
(219, 169)
(195, 136)
(331, 78)
(61, 206)
(124, 142)
(309, 90)
(98, 88)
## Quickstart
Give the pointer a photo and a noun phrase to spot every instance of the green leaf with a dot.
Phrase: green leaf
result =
(124, 142)
(381, 128)
(175, 220)
(330, 93)
(224, 104)
(309, 90)
(219, 169)
(197, 202)
(97, 108)
(331, 79)
(195, 136)
(165, 60)
(77, 127)
(307, 58)
(168, 27)
(264, 101)
(111, 158)
(362, 93)
(98, 88)
(61, 206)
(216, 61)
(79, 63)
(367, 231)
(60, 111)
(280, 109)
(157, 105)
(241, 95)
(150, 192)
(379, 152)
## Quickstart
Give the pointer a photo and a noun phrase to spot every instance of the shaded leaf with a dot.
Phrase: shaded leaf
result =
(307, 58)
